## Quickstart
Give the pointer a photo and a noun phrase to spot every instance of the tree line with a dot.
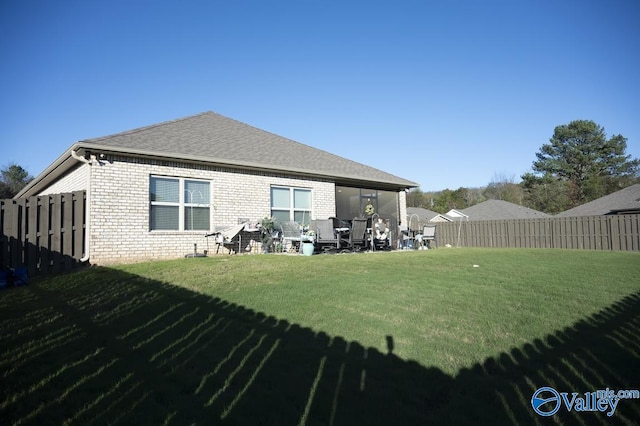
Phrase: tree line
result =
(578, 165)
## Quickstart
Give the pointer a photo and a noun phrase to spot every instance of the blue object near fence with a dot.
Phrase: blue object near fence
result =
(20, 276)
(13, 277)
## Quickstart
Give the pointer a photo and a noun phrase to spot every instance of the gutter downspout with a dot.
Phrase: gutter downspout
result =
(87, 227)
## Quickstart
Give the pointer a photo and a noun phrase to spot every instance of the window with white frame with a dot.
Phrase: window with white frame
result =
(179, 204)
(289, 204)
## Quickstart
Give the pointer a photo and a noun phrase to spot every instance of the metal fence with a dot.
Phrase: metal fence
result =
(44, 234)
(589, 232)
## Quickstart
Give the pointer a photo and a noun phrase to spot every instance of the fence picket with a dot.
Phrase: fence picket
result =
(43, 233)
(79, 226)
(32, 256)
(67, 234)
(588, 233)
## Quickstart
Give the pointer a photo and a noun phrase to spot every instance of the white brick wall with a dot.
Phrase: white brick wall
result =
(74, 180)
(119, 207)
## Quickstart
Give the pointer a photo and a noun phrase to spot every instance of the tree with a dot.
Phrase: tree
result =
(503, 187)
(474, 196)
(580, 154)
(13, 179)
(448, 199)
(415, 198)
(545, 193)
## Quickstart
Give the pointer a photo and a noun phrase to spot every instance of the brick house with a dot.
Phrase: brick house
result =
(154, 192)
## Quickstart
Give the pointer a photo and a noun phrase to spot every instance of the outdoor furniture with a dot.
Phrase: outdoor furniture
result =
(291, 234)
(428, 235)
(408, 234)
(226, 237)
(407, 238)
(326, 238)
(358, 235)
(274, 241)
(380, 235)
(342, 230)
(338, 223)
(342, 234)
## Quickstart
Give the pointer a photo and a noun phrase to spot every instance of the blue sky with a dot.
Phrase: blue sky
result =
(444, 93)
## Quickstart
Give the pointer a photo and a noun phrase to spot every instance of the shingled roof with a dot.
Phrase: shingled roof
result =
(425, 215)
(499, 209)
(626, 200)
(213, 138)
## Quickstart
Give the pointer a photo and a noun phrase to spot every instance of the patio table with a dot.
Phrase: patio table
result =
(341, 232)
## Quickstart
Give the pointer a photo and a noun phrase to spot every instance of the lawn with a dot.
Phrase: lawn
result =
(440, 336)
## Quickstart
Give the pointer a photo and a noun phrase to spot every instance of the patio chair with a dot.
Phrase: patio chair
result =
(291, 236)
(428, 235)
(326, 238)
(338, 223)
(358, 236)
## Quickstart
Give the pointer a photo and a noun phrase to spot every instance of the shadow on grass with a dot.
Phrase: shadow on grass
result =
(103, 346)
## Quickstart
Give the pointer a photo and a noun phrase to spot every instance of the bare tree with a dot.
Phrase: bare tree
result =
(503, 187)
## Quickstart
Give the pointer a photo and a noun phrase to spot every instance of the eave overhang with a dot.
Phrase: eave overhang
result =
(66, 162)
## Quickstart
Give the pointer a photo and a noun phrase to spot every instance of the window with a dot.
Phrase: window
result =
(179, 204)
(291, 204)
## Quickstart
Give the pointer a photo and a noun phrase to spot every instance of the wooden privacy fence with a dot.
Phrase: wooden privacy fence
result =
(44, 234)
(588, 232)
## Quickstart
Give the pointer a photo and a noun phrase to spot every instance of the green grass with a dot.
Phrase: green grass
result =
(402, 338)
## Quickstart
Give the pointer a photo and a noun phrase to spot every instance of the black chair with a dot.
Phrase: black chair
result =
(326, 238)
(358, 235)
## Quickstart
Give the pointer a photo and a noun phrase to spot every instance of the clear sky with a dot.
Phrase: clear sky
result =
(444, 93)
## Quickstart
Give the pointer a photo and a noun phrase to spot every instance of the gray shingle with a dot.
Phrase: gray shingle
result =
(212, 137)
(424, 215)
(499, 209)
(625, 199)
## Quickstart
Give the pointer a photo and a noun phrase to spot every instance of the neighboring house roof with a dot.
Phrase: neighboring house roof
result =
(626, 200)
(214, 139)
(440, 218)
(456, 214)
(426, 215)
(499, 209)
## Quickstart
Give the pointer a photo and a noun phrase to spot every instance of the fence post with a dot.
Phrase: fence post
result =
(33, 253)
(67, 234)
